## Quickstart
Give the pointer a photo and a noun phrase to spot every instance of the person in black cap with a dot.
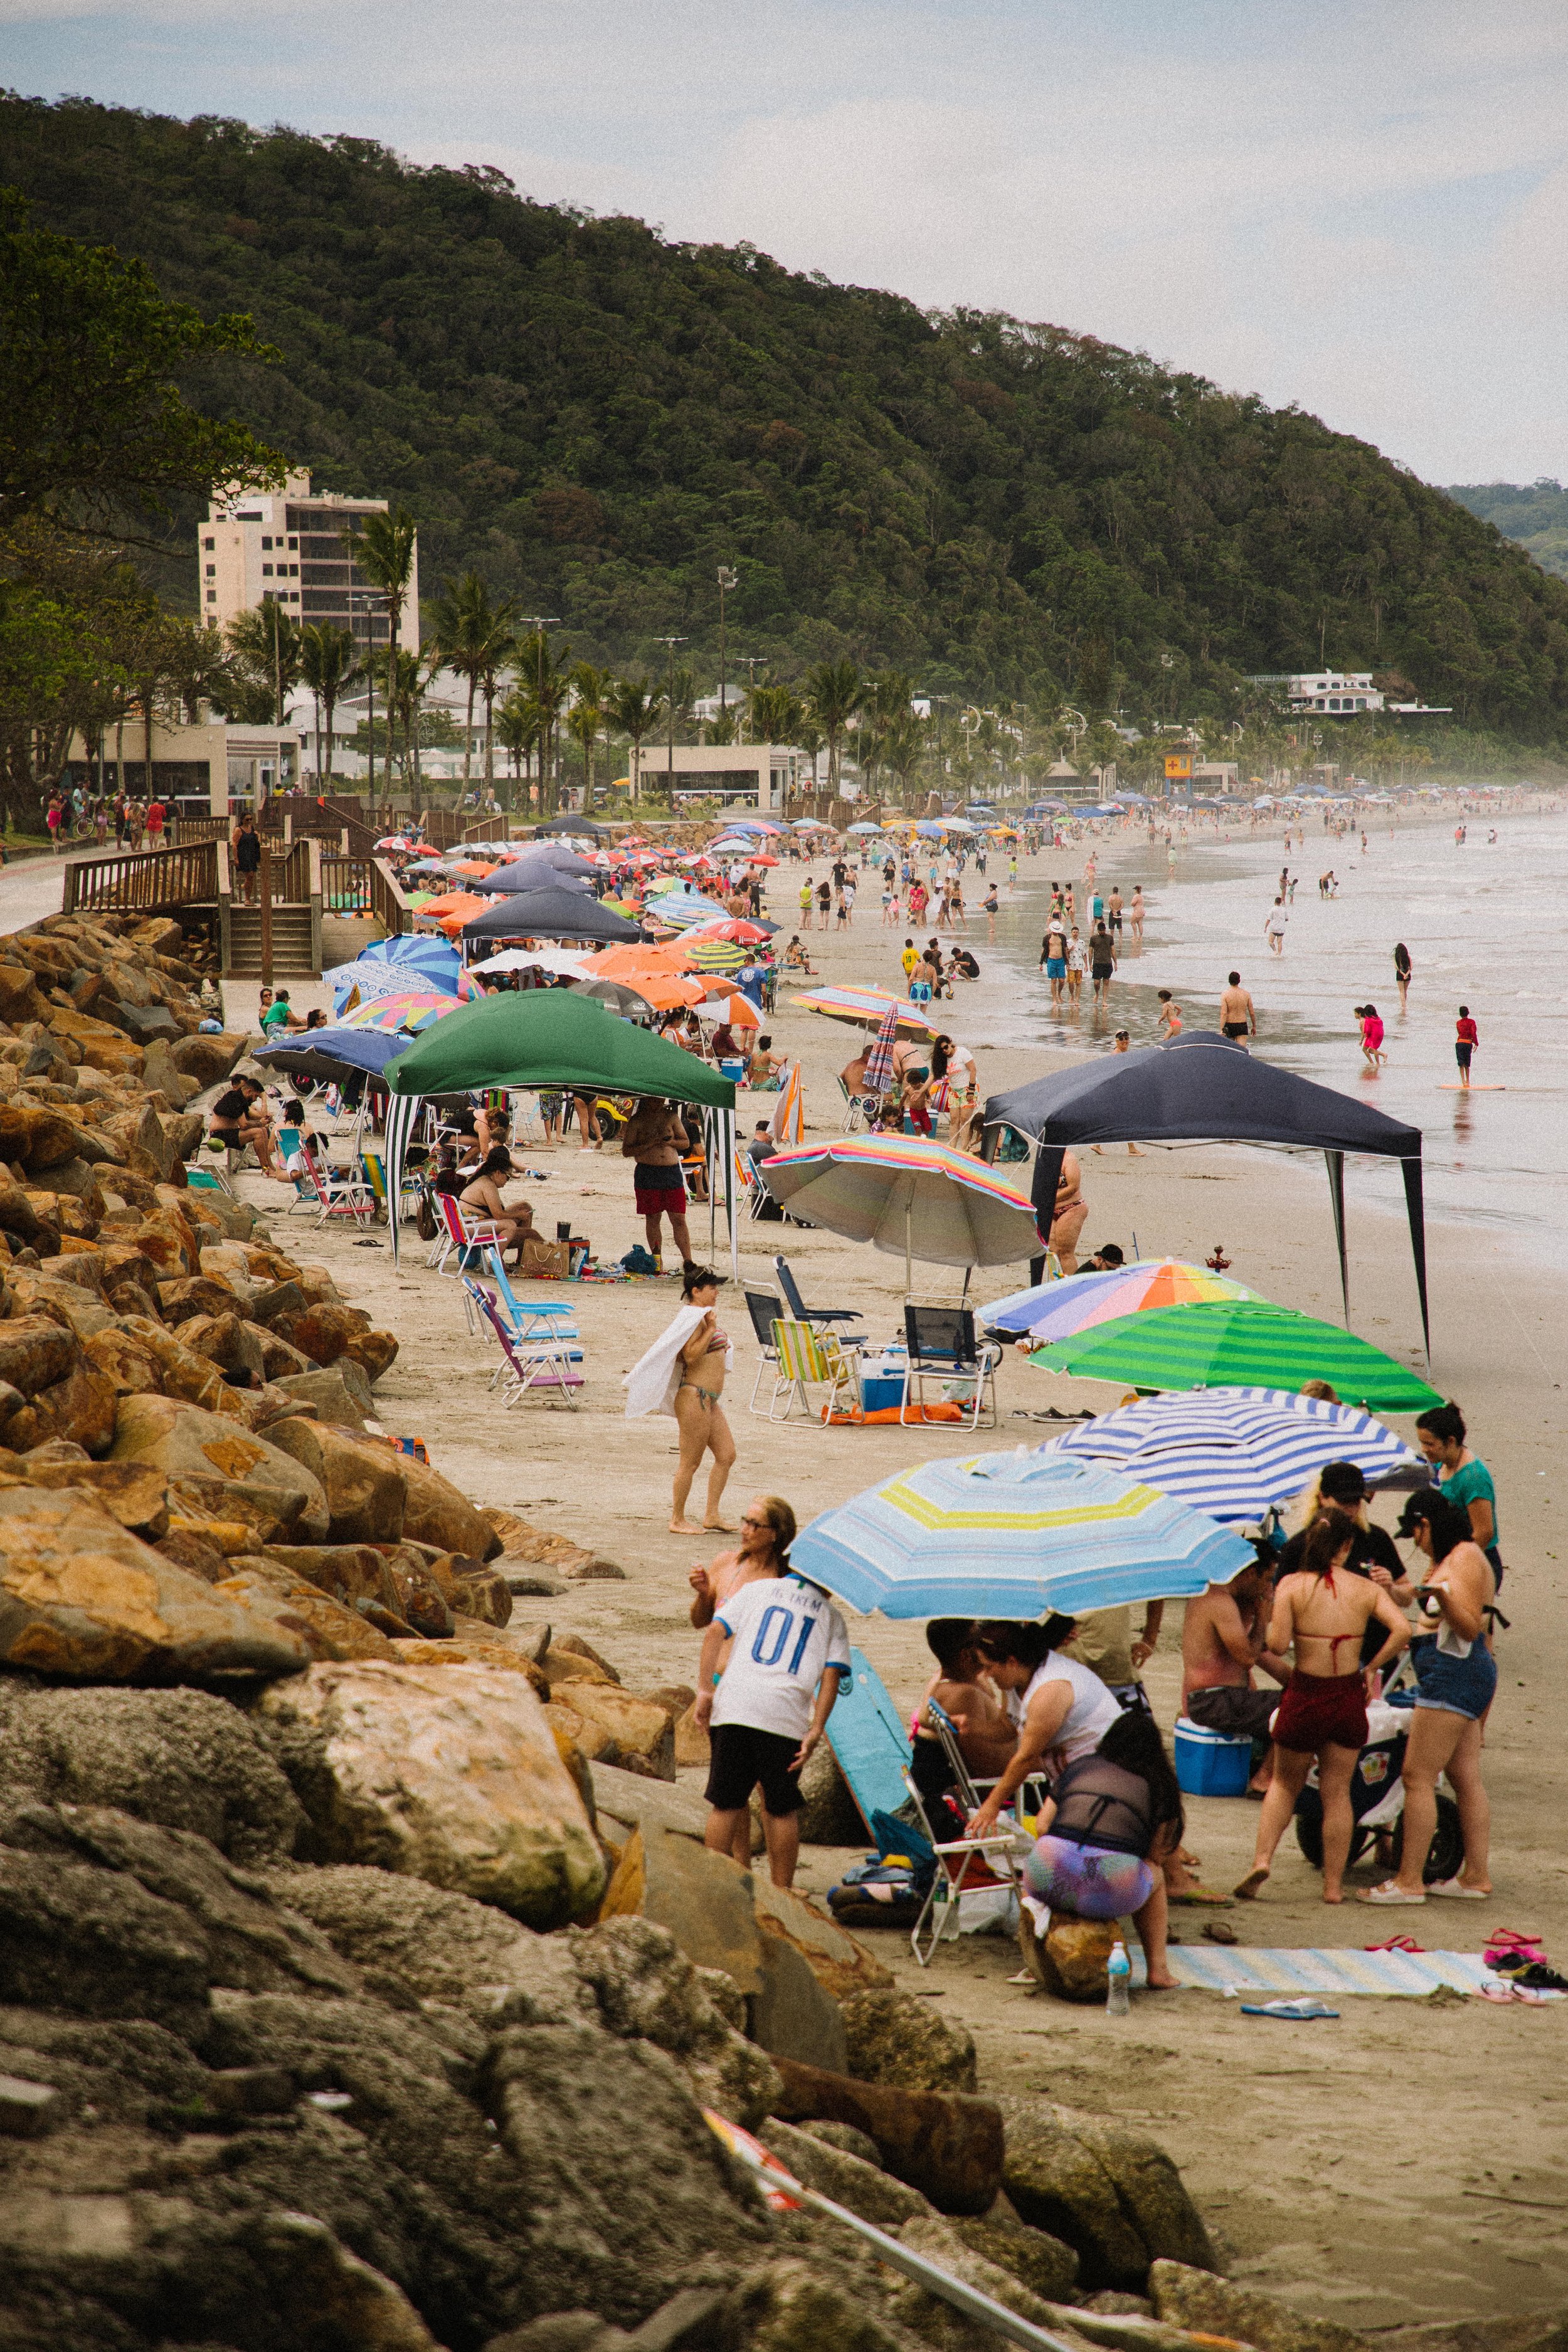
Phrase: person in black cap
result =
(1343, 1495)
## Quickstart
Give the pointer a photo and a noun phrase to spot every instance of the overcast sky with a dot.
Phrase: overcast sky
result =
(1359, 205)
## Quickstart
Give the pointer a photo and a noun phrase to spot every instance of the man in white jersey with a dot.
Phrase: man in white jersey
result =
(788, 1652)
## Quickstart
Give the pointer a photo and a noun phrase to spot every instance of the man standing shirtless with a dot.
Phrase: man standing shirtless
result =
(1223, 1639)
(653, 1138)
(1069, 1214)
(1236, 1017)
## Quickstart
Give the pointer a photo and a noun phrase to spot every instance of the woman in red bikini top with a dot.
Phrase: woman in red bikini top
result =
(1320, 1612)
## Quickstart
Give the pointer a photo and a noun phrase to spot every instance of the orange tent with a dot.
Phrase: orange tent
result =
(452, 910)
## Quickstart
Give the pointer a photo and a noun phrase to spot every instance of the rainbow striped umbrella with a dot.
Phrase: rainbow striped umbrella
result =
(409, 1014)
(901, 1192)
(868, 1005)
(1013, 1535)
(1056, 1311)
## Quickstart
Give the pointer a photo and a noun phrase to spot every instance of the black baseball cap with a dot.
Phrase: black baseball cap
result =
(1343, 1482)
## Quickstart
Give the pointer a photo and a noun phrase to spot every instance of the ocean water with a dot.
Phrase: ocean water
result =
(1484, 923)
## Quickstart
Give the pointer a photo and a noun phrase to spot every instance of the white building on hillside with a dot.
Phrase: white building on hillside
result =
(295, 547)
(1339, 694)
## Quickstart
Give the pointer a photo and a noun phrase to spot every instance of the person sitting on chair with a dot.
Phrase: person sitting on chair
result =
(483, 1200)
(986, 1738)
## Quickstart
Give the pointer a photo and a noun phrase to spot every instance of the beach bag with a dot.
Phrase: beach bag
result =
(426, 1222)
(546, 1261)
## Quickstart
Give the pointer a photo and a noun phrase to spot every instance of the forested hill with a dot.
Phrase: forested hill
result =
(1533, 513)
(597, 418)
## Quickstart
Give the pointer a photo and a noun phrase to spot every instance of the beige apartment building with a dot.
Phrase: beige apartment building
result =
(295, 547)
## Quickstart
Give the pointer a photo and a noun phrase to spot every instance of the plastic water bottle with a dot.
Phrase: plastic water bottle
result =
(1118, 1974)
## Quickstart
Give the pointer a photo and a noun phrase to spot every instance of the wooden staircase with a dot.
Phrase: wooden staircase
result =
(293, 957)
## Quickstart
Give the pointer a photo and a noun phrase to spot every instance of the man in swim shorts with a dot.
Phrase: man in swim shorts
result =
(1237, 1017)
(653, 1138)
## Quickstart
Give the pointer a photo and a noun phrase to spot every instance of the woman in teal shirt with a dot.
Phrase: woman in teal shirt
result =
(1463, 1476)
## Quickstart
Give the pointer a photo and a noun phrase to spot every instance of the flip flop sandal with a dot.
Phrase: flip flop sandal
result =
(1501, 1995)
(1396, 1944)
(1503, 1940)
(1390, 1896)
(1453, 1891)
(1217, 1931)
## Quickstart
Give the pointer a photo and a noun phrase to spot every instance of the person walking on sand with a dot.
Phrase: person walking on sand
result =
(1170, 1014)
(1467, 1039)
(1273, 929)
(1402, 973)
(1136, 912)
(1237, 1017)
(761, 1556)
(789, 1652)
(682, 1375)
(1323, 1711)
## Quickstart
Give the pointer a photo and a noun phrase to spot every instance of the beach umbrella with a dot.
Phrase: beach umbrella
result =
(663, 990)
(685, 910)
(787, 1124)
(879, 1060)
(1236, 1453)
(718, 955)
(559, 912)
(1013, 1535)
(732, 927)
(569, 824)
(531, 874)
(1056, 1311)
(408, 1013)
(452, 909)
(738, 1010)
(618, 963)
(571, 961)
(551, 1037)
(870, 1005)
(903, 1193)
(396, 841)
(331, 1056)
(618, 995)
(1236, 1342)
(865, 827)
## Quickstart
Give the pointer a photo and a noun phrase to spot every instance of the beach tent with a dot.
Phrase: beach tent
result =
(1201, 1087)
(557, 912)
(548, 1038)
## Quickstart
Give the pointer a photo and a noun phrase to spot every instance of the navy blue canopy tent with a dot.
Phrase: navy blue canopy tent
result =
(556, 913)
(1201, 1087)
(333, 1056)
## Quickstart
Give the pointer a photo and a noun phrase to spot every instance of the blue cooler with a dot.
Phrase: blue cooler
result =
(1211, 1763)
(734, 1071)
(882, 1384)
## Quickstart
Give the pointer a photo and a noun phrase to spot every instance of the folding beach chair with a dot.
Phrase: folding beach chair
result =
(528, 1365)
(966, 1865)
(531, 1318)
(337, 1195)
(942, 1347)
(375, 1166)
(763, 1309)
(460, 1233)
(806, 1360)
(798, 1307)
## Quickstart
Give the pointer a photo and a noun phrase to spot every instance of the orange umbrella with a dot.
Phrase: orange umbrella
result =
(738, 1010)
(663, 990)
(615, 963)
(474, 866)
(450, 912)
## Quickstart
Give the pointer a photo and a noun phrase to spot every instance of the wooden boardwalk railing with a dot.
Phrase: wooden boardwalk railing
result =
(142, 881)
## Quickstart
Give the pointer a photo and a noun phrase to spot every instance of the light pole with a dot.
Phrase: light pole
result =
(670, 643)
(539, 622)
(728, 579)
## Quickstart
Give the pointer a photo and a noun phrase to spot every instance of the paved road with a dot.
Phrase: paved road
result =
(31, 888)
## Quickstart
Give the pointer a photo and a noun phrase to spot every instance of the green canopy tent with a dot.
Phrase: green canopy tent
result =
(549, 1037)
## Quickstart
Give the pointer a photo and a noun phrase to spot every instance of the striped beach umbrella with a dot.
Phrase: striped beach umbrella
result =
(1238, 1342)
(1056, 1311)
(684, 910)
(870, 1005)
(1013, 1535)
(1236, 1453)
(409, 1014)
(879, 1060)
(903, 1194)
(718, 955)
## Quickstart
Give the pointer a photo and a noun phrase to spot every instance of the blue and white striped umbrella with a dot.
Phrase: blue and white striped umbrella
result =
(682, 910)
(1013, 1535)
(394, 966)
(1234, 1453)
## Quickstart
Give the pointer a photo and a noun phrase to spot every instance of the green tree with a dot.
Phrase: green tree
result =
(519, 724)
(92, 419)
(833, 691)
(476, 635)
(383, 551)
(267, 644)
(634, 706)
(549, 684)
(585, 719)
(905, 742)
(773, 714)
(329, 666)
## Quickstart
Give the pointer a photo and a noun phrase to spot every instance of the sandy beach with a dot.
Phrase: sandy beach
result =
(1401, 2164)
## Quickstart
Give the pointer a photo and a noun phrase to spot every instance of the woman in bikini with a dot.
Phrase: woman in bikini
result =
(699, 1410)
(1321, 1610)
(1068, 1213)
(482, 1199)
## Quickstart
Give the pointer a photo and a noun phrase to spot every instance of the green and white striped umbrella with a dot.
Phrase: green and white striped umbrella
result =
(1236, 1343)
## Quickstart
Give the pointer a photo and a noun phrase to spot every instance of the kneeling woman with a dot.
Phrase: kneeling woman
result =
(1113, 1818)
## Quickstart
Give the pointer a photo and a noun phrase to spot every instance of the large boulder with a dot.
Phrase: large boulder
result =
(180, 1757)
(792, 2016)
(703, 1899)
(131, 1492)
(951, 2149)
(1197, 2300)
(183, 1441)
(641, 1730)
(1111, 2195)
(449, 1774)
(933, 2319)
(81, 1409)
(303, 1612)
(1042, 2263)
(339, 1392)
(864, 2188)
(841, 1964)
(363, 1479)
(82, 1599)
(435, 1513)
(634, 1977)
(208, 1056)
(893, 2037)
(829, 1815)
(36, 1352)
(347, 1573)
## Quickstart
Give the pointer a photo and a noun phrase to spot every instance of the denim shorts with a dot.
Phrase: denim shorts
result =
(1089, 1880)
(1453, 1685)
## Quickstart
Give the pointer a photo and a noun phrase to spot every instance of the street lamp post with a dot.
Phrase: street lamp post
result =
(539, 622)
(670, 643)
(728, 579)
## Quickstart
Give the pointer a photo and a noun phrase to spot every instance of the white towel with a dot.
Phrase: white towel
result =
(651, 1383)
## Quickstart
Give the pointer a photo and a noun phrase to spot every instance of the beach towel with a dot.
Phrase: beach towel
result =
(651, 1383)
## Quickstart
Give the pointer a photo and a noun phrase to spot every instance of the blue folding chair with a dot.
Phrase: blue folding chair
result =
(532, 1319)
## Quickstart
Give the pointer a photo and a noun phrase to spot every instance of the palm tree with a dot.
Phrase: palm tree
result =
(518, 725)
(904, 746)
(328, 663)
(384, 552)
(267, 640)
(773, 714)
(549, 684)
(633, 706)
(474, 636)
(585, 720)
(833, 691)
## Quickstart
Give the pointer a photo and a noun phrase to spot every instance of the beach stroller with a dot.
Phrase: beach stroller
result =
(1377, 1793)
